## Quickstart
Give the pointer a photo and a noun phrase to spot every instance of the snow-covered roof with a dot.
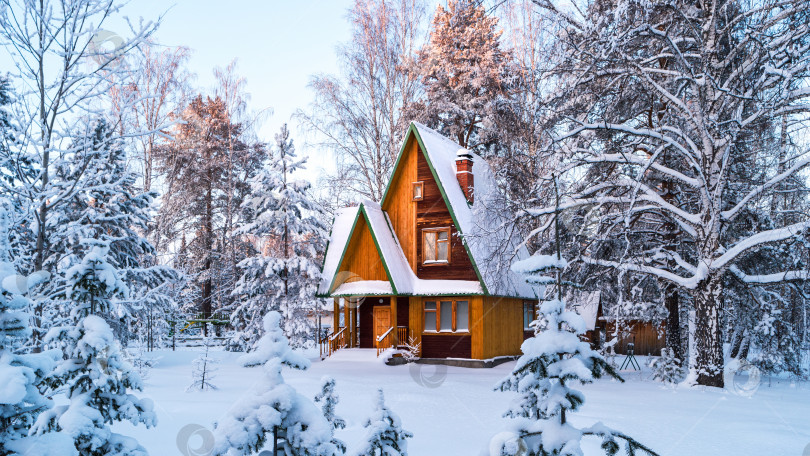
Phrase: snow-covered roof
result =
(586, 304)
(485, 225)
(488, 235)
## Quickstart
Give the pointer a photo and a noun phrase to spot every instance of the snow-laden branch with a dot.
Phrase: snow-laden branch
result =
(760, 189)
(699, 273)
(778, 277)
(763, 237)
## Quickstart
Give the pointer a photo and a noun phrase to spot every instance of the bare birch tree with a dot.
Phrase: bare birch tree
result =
(677, 92)
(357, 115)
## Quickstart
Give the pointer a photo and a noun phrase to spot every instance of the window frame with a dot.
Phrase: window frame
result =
(438, 230)
(438, 311)
(421, 186)
(533, 306)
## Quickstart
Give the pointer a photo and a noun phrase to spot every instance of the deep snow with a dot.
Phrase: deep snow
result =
(454, 411)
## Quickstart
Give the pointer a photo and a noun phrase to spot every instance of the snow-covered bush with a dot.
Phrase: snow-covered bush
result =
(96, 380)
(413, 350)
(384, 433)
(273, 344)
(667, 368)
(329, 400)
(140, 359)
(275, 407)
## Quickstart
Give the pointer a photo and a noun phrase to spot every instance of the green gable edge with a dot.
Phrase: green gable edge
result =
(413, 130)
(346, 248)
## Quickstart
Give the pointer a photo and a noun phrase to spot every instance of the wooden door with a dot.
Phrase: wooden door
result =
(382, 321)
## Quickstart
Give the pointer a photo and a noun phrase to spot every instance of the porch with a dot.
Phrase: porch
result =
(369, 322)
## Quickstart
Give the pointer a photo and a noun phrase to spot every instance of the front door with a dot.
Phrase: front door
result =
(382, 321)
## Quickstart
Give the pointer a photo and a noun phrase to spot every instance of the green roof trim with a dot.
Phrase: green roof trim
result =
(361, 210)
(415, 131)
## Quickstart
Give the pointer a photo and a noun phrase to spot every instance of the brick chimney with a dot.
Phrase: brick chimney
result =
(464, 174)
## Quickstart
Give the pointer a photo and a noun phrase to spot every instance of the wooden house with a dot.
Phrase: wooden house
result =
(431, 261)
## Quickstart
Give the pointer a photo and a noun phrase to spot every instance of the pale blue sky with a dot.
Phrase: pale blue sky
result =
(279, 45)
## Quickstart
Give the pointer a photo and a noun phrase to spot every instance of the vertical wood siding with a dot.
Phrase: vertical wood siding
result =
(362, 261)
(432, 212)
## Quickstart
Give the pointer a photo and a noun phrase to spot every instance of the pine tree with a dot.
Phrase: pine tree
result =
(94, 282)
(208, 165)
(22, 375)
(96, 380)
(204, 367)
(275, 409)
(329, 398)
(106, 208)
(466, 77)
(284, 275)
(384, 433)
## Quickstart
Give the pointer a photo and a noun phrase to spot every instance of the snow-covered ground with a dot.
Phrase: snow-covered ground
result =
(454, 411)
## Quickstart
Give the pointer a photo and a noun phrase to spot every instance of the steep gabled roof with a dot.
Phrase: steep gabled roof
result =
(401, 279)
(485, 228)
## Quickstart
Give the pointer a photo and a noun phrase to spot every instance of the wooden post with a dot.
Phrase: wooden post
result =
(346, 321)
(394, 320)
(355, 339)
(336, 315)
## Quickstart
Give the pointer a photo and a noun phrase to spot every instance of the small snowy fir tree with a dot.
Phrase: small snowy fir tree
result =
(284, 276)
(667, 368)
(21, 375)
(273, 344)
(275, 408)
(96, 380)
(329, 398)
(141, 360)
(384, 433)
(552, 360)
(204, 367)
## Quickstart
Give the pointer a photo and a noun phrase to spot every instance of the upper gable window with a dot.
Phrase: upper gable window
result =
(436, 245)
(418, 191)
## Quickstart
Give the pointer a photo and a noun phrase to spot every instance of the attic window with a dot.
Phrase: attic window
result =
(418, 188)
(436, 246)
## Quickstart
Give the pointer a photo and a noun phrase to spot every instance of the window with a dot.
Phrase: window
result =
(447, 316)
(431, 320)
(528, 315)
(436, 246)
(418, 189)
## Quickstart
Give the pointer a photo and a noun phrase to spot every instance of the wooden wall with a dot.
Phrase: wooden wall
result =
(503, 326)
(399, 202)
(362, 259)
(648, 339)
(496, 329)
(415, 316)
(432, 212)
(446, 346)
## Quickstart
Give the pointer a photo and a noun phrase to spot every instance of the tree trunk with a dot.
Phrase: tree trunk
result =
(208, 235)
(672, 303)
(708, 345)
